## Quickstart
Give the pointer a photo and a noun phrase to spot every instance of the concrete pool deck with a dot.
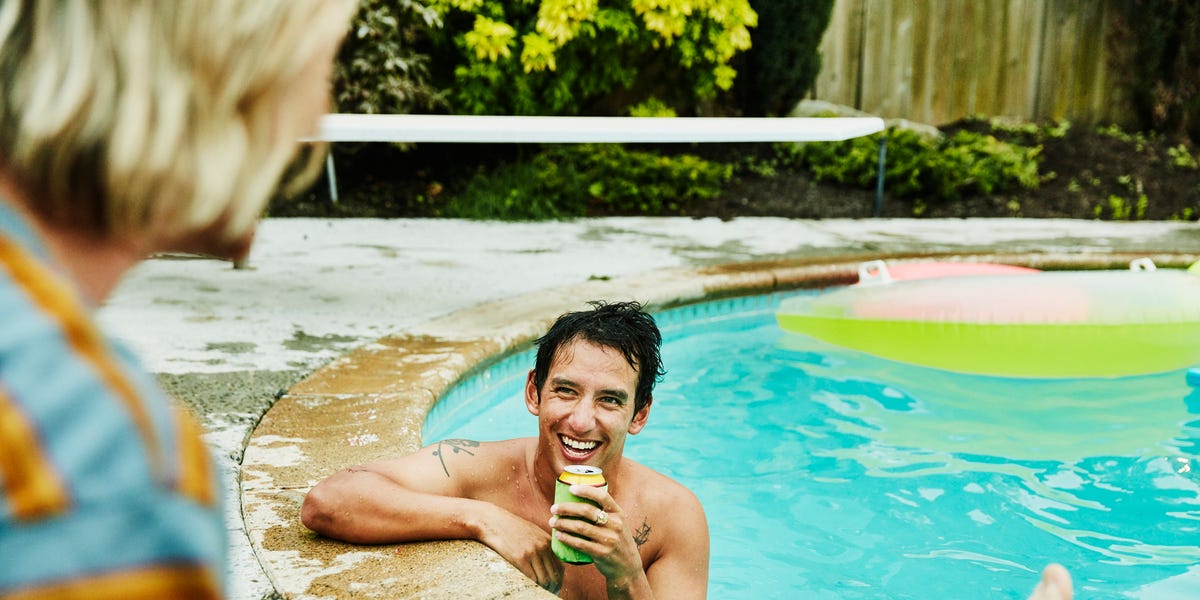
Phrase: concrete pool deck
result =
(357, 326)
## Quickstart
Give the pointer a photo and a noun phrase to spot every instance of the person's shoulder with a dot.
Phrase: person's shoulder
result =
(480, 457)
(660, 490)
(471, 468)
(493, 449)
(672, 518)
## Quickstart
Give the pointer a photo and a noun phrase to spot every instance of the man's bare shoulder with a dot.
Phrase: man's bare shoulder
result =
(668, 519)
(472, 463)
(462, 451)
(660, 492)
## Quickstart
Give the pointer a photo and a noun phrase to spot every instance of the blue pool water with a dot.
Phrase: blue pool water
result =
(826, 473)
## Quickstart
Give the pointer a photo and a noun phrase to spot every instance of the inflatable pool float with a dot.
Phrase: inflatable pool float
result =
(877, 271)
(1046, 324)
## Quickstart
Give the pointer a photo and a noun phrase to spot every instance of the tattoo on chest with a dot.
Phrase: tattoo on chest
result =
(456, 446)
(643, 533)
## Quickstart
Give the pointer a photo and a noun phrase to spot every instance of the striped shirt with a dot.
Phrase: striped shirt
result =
(106, 487)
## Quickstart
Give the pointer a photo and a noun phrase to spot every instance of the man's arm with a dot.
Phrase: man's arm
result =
(422, 497)
(365, 505)
(681, 570)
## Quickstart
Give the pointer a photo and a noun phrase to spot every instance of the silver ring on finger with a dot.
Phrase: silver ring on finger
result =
(602, 519)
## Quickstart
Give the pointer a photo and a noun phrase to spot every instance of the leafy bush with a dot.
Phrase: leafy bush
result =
(1181, 158)
(379, 69)
(564, 57)
(783, 60)
(931, 170)
(563, 182)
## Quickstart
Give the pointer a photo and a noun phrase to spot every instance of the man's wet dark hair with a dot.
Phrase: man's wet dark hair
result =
(623, 326)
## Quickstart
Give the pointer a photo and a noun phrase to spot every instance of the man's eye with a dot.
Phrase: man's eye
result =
(611, 400)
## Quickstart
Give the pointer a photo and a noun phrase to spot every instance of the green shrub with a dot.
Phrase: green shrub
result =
(783, 60)
(565, 57)
(564, 182)
(1119, 208)
(512, 192)
(379, 69)
(1182, 158)
(930, 170)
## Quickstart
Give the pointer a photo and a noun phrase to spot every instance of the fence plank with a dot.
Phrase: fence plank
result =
(937, 61)
(841, 54)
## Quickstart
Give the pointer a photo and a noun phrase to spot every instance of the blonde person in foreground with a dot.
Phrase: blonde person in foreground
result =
(128, 127)
(590, 388)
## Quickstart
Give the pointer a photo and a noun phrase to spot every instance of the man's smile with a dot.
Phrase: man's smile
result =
(577, 448)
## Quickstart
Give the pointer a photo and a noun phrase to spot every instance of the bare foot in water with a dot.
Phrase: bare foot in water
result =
(1055, 584)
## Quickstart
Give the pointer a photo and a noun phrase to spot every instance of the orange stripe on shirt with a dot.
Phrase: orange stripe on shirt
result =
(60, 302)
(195, 464)
(30, 482)
(178, 582)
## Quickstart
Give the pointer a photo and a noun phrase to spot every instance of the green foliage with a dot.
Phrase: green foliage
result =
(1182, 158)
(565, 57)
(918, 167)
(1138, 139)
(652, 108)
(1119, 208)
(783, 60)
(1032, 131)
(512, 192)
(379, 69)
(564, 182)
(757, 166)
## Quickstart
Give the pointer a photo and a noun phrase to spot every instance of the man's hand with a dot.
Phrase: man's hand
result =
(602, 534)
(524, 545)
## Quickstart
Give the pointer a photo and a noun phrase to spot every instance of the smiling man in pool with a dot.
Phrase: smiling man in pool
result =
(590, 388)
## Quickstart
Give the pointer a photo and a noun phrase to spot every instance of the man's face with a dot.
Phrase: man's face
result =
(586, 406)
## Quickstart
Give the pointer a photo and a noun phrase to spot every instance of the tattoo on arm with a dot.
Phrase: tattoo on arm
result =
(643, 533)
(456, 446)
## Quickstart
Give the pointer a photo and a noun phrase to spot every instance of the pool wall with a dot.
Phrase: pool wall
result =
(371, 403)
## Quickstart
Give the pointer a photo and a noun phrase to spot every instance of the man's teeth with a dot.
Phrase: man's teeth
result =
(579, 445)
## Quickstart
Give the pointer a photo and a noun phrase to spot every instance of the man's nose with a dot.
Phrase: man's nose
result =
(583, 415)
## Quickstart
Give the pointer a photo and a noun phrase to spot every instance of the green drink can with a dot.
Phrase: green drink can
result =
(574, 475)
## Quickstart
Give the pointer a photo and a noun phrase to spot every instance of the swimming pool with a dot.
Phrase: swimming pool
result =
(832, 474)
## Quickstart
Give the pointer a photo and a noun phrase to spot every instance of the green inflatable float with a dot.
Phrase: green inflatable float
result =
(1052, 324)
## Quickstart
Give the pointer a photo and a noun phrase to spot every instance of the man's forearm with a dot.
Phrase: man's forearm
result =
(363, 507)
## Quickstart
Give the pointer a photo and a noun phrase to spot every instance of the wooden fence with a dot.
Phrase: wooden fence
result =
(935, 61)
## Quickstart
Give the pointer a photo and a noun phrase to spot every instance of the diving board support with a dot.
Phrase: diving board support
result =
(332, 176)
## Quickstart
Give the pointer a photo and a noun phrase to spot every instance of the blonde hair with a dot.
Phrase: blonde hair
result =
(124, 117)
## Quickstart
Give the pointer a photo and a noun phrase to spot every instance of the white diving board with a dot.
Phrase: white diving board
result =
(514, 129)
(342, 127)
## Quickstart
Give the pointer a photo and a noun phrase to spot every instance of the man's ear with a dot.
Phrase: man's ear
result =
(532, 398)
(639, 417)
